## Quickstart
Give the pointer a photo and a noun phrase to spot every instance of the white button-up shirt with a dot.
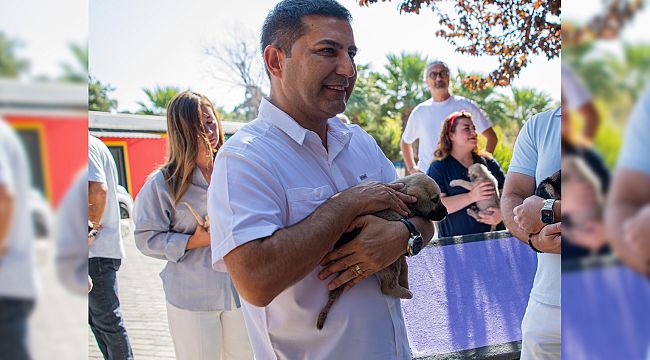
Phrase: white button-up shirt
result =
(270, 175)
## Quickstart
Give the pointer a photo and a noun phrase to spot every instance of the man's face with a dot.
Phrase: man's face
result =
(319, 77)
(438, 78)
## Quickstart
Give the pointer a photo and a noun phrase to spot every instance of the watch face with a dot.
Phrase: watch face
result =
(417, 245)
(547, 216)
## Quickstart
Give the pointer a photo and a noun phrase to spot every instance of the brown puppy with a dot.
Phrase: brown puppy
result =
(479, 173)
(204, 222)
(394, 278)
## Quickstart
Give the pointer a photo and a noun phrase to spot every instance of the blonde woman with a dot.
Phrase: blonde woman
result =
(457, 150)
(203, 309)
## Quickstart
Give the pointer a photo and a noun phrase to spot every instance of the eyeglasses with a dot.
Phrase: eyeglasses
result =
(434, 74)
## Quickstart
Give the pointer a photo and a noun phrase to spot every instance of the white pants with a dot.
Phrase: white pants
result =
(541, 332)
(208, 335)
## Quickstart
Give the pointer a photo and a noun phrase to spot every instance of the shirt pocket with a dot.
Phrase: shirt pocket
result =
(303, 201)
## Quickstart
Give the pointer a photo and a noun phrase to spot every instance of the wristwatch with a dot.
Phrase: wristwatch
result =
(548, 216)
(415, 239)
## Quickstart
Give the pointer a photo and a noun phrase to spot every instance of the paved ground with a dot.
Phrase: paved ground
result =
(143, 306)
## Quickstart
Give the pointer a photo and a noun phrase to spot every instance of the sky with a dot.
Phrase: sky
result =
(148, 43)
(46, 28)
(144, 43)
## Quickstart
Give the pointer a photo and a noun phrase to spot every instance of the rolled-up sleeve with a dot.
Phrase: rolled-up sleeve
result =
(152, 217)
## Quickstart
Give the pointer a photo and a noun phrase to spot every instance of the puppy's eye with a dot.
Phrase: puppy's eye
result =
(435, 198)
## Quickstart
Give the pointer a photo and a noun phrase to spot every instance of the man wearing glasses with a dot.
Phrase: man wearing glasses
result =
(426, 119)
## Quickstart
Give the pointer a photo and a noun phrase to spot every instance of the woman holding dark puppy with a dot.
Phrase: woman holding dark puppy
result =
(458, 150)
(203, 309)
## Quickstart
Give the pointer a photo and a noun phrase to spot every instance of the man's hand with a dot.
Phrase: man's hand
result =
(372, 196)
(528, 215)
(491, 216)
(379, 244)
(637, 233)
(548, 239)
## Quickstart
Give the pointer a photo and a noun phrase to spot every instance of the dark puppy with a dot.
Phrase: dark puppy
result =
(394, 278)
(551, 187)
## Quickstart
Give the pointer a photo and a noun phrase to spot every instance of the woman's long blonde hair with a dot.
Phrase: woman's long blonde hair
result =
(185, 134)
(448, 127)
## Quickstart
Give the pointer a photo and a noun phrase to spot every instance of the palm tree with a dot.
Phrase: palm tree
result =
(403, 85)
(10, 64)
(77, 73)
(98, 99)
(527, 102)
(158, 97)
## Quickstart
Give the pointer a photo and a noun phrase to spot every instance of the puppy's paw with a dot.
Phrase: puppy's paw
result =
(455, 183)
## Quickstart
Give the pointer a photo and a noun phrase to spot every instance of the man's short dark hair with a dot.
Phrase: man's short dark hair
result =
(283, 25)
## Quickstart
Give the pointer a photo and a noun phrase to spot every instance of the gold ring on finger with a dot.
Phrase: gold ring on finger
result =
(357, 270)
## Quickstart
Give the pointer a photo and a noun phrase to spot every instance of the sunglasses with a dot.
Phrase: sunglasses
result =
(434, 74)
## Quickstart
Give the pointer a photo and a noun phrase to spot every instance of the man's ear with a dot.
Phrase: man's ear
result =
(273, 58)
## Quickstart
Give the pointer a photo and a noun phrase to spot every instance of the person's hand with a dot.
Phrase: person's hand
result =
(482, 191)
(637, 233)
(372, 196)
(548, 240)
(90, 284)
(200, 238)
(578, 196)
(490, 216)
(413, 170)
(379, 244)
(590, 235)
(528, 215)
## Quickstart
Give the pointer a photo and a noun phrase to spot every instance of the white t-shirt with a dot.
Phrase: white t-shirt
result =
(537, 153)
(102, 169)
(573, 91)
(71, 236)
(634, 153)
(17, 266)
(427, 118)
(272, 174)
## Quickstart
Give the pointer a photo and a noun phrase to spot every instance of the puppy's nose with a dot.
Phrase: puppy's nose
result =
(438, 213)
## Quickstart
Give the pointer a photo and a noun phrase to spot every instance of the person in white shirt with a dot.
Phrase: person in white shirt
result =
(537, 156)
(627, 214)
(285, 188)
(427, 118)
(105, 254)
(17, 266)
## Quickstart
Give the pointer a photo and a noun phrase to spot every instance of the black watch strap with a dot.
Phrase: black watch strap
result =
(410, 227)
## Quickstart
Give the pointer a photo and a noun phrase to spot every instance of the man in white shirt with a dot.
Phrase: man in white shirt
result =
(536, 222)
(17, 267)
(627, 214)
(285, 188)
(105, 254)
(427, 118)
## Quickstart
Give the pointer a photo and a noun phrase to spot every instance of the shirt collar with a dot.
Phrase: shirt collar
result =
(278, 118)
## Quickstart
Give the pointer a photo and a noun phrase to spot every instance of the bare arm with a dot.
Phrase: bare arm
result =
(261, 269)
(629, 192)
(590, 115)
(409, 159)
(6, 214)
(515, 190)
(96, 202)
(492, 140)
